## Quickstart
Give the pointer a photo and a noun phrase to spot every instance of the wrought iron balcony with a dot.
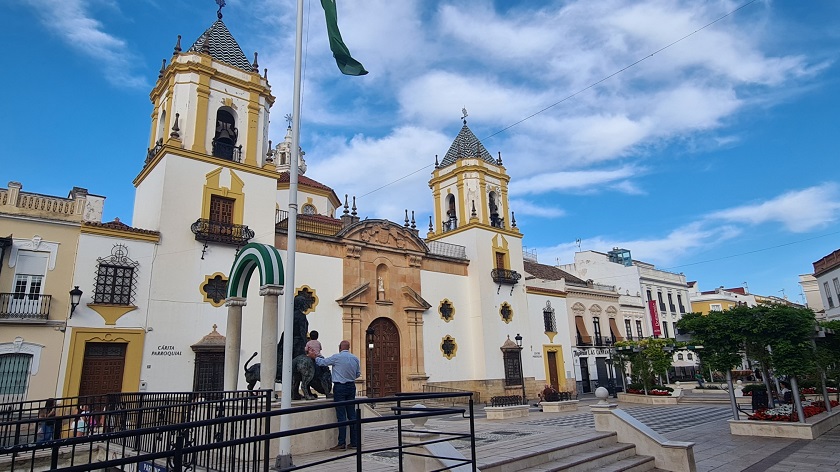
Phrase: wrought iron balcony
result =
(154, 150)
(208, 231)
(24, 306)
(505, 276)
(227, 151)
(450, 224)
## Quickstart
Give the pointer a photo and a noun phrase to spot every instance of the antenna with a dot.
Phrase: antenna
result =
(577, 241)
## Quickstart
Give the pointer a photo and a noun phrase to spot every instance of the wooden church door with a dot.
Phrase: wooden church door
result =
(383, 358)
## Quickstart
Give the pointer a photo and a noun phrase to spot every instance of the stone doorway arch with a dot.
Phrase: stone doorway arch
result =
(383, 358)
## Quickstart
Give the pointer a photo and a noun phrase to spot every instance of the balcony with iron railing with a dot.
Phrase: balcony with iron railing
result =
(312, 224)
(505, 276)
(208, 231)
(227, 151)
(24, 307)
(440, 248)
(450, 224)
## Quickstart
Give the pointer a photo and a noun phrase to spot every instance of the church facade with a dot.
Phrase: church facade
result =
(449, 305)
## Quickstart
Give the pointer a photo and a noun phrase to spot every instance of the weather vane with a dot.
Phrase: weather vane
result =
(288, 118)
(221, 4)
(464, 112)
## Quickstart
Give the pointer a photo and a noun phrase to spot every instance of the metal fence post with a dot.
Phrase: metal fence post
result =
(177, 459)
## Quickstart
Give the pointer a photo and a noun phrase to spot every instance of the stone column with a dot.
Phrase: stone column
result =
(268, 354)
(233, 341)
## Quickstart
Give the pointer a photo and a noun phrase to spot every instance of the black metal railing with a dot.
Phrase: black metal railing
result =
(440, 248)
(661, 307)
(673, 308)
(24, 306)
(450, 224)
(216, 232)
(308, 224)
(581, 342)
(227, 151)
(497, 222)
(682, 310)
(505, 276)
(154, 150)
(208, 435)
(506, 400)
(559, 396)
(476, 396)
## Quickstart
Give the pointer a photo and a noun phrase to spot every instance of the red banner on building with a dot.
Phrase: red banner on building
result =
(654, 318)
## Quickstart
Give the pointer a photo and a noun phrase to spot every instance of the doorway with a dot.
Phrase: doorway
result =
(102, 370)
(383, 359)
(603, 374)
(553, 377)
(584, 375)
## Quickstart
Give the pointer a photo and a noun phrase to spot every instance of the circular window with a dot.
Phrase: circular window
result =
(309, 209)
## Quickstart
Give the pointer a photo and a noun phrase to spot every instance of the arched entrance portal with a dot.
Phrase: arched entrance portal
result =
(383, 358)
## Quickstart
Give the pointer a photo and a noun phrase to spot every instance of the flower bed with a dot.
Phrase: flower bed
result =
(787, 413)
(813, 390)
(658, 390)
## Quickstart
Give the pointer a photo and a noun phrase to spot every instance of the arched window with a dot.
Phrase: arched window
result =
(690, 356)
(679, 357)
(451, 221)
(492, 202)
(309, 209)
(224, 141)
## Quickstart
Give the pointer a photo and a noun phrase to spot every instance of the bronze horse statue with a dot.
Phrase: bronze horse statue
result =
(305, 374)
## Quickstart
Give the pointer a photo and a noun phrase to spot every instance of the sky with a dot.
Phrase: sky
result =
(701, 135)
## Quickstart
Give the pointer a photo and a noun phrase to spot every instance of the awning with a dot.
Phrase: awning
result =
(615, 332)
(585, 338)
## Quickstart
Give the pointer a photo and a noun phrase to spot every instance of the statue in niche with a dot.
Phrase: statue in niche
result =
(380, 288)
(305, 374)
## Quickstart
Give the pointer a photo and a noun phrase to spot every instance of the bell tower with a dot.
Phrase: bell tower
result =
(470, 188)
(470, 194)
(210, 104)
(208, 185)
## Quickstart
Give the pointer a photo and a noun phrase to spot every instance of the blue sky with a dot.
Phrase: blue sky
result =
(716, 157)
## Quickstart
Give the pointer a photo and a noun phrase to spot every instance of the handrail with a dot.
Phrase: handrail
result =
(239, 441)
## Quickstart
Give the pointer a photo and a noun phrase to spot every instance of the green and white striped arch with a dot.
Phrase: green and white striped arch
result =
(250, 257)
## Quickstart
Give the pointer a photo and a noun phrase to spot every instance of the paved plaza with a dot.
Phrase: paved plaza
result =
(715, 448)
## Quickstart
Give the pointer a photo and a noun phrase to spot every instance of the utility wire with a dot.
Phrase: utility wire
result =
(592, 85)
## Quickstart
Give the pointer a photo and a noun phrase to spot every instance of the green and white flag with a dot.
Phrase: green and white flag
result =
(346, 64)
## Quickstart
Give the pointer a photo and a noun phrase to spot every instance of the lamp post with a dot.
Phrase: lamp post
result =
(518, 339)
(369, 332)
(75, 298)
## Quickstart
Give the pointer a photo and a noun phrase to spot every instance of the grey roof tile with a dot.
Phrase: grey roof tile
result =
(223, 47)
(466, 146)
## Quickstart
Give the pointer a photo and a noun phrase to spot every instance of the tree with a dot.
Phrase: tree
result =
(648, 358)
(722, 334)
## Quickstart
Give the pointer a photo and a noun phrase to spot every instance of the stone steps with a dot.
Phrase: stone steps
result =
(592, 451)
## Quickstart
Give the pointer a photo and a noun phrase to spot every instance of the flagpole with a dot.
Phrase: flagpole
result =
(285, 457)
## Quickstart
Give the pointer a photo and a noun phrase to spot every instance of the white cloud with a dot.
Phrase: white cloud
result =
(798, 210)
(71, 21)
(362, 165)
(662, 251)
(524, 207)
(578, 181)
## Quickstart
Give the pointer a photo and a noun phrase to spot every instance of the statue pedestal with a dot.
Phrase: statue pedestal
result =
(307, 442)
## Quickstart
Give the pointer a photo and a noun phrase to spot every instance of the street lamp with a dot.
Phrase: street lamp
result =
(75, 298)
(369, 334)
(518, 339)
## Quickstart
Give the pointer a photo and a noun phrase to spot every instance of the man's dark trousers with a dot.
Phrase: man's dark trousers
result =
(343, 392)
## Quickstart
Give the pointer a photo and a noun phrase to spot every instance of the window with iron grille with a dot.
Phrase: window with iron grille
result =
(115, 280)
(628, 329)
(14, 376)
(548, 318)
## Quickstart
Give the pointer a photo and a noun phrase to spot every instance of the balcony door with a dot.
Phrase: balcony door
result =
(221, 215)
(30, 268)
